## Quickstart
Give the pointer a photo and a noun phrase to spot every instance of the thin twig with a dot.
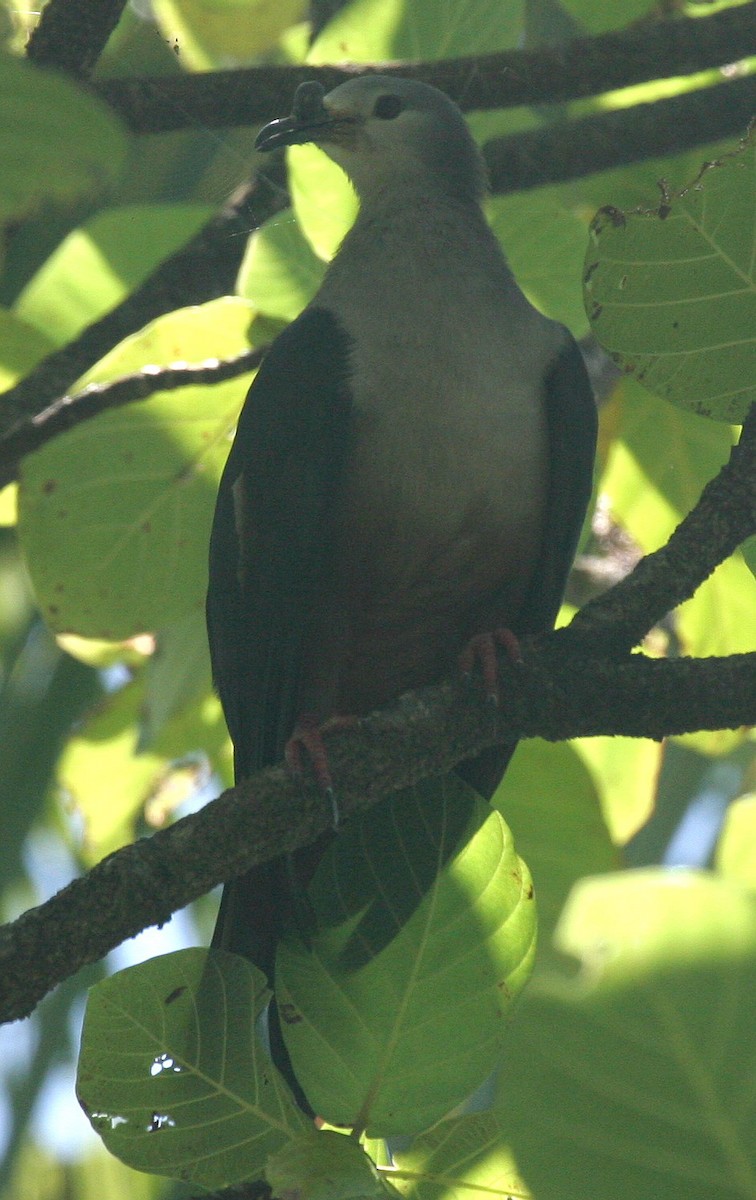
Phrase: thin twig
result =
(33, 432)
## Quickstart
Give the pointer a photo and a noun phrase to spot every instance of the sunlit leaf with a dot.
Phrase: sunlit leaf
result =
(736, 850)
(633, 1067)
(625, 773)
(172, 1075)
(551, 804)
(464, 1158)
(395, 1008)
(325, 1166)
(96, 266)
(659, 464)
(57, 140)
(115, 515)
(21, 348)
(224, 33)
(280, 271)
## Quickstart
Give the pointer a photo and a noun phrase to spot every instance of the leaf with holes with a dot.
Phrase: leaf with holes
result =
(671, 293)
(172, 1075)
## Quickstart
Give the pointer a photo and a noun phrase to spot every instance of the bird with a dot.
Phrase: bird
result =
(410, 470)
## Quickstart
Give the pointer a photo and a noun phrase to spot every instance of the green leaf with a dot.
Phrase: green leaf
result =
(736, 849)
(549, 801)
(719, 618)
(21, 348)
(57, 141)
(115, 515)
(394, 1009)
(177, 673)
(96, 266)
(225, 33)
(671, 293)
(633, 1068)
(538, 228)
(103, 778)
(380, 30)
(172, 1075)
(325, 1166)
(464, 1158)
(659, 463)
(598, 17)
(625, 772)
(280, 271)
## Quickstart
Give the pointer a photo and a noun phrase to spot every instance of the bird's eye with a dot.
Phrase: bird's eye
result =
(387, 107)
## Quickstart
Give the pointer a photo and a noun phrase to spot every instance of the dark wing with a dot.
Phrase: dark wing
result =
(269, 549)
(268, 546)
(571, 416)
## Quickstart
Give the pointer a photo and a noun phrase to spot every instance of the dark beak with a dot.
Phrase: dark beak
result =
(308, 122)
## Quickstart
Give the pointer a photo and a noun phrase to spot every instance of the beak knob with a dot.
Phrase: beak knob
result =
(308, 113)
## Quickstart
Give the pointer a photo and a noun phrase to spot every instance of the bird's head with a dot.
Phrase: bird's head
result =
(385, 133)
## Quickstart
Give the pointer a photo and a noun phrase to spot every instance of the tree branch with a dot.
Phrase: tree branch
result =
(583, 67)
(33, 432)
(723, 518)
(573, 149)
(553, 696)
(71, 34)
(203, 269)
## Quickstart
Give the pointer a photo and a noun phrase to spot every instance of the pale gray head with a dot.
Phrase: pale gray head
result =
(387, 135)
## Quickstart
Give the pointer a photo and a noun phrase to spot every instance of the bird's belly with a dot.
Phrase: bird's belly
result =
(441, 530)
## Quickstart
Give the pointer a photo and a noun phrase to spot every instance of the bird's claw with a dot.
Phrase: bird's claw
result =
(481, 649)
(308, 738)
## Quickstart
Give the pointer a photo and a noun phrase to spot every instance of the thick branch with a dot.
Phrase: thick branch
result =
(721, 521)
(71, 34)
(554, 696)
(584, 67)
(200, 271)
(572, 149)
(63, 414)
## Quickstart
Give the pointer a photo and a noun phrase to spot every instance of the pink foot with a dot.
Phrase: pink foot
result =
(481, 649)
(308, 738)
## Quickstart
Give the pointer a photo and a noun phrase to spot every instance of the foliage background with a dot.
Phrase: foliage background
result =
(111, 730)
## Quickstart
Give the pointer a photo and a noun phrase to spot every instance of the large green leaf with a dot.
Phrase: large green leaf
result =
(736, 849)
(280, 272)
(463, 1158)
(96, 266)
(660, 461)
(21, 348)
(225, 33)
(633, 1067)
(671, 292)
(325, 1165)
(394, 1008)
(57, 141)
(115, 515)
(172, 1075)
(625, 772)
(550, 803)
(538, 228)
